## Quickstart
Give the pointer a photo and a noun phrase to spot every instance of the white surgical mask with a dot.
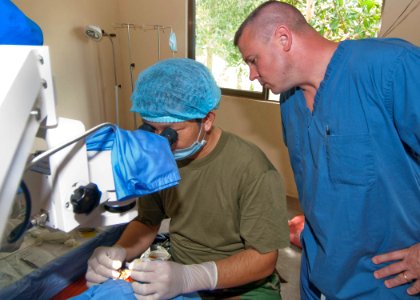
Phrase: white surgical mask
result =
(180, 154)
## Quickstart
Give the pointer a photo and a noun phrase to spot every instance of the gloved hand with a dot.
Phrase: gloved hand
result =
(167, 279)
(104, 264)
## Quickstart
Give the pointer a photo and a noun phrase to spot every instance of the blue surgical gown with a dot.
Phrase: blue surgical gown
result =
(120, 290)
(356, 164)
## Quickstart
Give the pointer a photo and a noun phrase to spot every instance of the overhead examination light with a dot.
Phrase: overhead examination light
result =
(96, 33)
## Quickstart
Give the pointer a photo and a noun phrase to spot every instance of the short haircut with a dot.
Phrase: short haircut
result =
(268, 16)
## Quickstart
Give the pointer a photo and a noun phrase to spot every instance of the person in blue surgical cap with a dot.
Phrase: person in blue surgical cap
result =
(351, 120)
(228, 215)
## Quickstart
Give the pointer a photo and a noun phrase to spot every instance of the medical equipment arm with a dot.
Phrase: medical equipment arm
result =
(25, 74)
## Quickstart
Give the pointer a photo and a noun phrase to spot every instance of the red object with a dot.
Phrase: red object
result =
(296, 225)
(74, 289)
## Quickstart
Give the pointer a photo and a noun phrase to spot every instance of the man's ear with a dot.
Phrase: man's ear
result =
(283, 36)
(209, 121)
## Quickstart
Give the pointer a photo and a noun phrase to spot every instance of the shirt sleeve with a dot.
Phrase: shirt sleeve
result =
(263, 224)
(405, 97)
(150, 209)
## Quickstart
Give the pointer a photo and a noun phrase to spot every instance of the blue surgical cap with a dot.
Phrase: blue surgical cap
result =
(175, 90)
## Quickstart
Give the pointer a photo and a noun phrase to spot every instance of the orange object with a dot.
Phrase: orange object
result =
(125, 275)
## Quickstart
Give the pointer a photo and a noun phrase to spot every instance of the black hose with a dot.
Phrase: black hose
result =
(19, 230)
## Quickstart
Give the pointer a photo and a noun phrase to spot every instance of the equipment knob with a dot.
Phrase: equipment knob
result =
(85, 198)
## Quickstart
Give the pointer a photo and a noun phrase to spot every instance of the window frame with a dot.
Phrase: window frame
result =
(263, 95)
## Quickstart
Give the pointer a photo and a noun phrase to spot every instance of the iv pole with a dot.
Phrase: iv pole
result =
(132, 65)
(158, 29)
(116, 85)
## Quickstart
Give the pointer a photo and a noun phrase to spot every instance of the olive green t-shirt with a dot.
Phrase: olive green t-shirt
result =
(228, 201)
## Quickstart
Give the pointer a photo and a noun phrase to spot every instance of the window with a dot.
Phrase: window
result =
(213, 23)
(212, 27)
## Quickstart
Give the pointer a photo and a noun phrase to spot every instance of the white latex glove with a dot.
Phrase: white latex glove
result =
(167, 279)
(104, 264)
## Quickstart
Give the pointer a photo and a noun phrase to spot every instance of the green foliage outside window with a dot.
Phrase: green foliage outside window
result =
(217, 21)
(338, 20)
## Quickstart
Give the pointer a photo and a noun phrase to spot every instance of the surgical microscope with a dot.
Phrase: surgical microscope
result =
(67, 185)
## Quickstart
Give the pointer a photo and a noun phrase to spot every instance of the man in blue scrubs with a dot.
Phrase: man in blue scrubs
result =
(351, 119)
